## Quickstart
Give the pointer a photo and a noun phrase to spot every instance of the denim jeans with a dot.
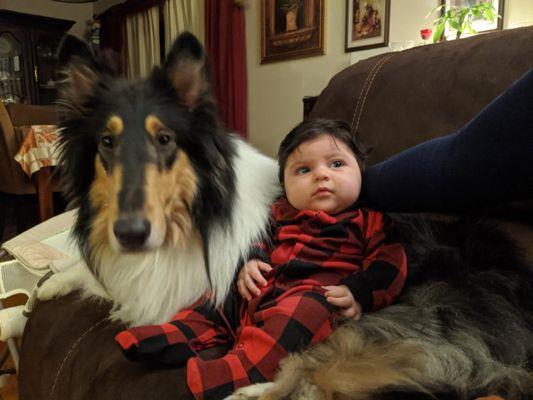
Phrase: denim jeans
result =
(488, 161)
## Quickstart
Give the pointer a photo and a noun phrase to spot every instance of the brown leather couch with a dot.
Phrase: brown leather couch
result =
(397, 100)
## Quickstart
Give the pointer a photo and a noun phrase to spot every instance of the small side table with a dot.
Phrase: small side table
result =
(37, 155)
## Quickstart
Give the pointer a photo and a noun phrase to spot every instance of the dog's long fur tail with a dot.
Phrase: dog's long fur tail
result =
(396, 364)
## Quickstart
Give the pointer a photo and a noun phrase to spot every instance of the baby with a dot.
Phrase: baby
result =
(320, 168)
(326, 256)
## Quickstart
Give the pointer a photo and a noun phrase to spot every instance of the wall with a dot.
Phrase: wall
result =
(76, 12)
(275, 90)
(518, 13)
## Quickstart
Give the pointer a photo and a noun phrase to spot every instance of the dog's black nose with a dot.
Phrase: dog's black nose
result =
(132, 233)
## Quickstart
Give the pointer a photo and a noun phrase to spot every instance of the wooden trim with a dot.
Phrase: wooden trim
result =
(36, 20)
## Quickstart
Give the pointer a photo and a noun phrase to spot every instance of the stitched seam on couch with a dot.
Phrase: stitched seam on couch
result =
(72, 348)
(363, 89)
(366, 90)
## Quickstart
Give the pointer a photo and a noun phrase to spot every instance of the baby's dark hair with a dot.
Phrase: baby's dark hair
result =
(311, 129)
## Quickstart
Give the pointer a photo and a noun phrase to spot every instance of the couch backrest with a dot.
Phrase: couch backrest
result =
(396, 100)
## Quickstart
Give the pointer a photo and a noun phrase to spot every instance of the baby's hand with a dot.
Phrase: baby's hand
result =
(341, 297)
(249, 276)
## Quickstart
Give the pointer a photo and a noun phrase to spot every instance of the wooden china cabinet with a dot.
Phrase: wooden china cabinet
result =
(27, 57)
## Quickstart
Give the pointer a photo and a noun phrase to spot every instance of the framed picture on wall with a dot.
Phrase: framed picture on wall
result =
(291, 29)
(479, 24)
(367, 24)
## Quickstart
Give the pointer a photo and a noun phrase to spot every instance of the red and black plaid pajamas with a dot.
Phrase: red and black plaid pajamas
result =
(309, 250)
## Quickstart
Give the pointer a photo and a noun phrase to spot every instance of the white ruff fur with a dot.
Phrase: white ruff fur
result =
(150, 287)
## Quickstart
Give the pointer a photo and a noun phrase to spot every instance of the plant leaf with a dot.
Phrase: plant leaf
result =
(470, 28)
(438, 32)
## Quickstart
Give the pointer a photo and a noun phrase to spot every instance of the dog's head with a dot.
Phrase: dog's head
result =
(145, 161)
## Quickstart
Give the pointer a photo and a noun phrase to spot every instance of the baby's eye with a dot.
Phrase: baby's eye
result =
(302, 170)
(337, 164)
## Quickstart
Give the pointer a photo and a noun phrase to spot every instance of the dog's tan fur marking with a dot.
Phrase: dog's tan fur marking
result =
(377, 366)
(349, 366)
(169, 198)
(115, 125)
(153, 124)
(104, 199)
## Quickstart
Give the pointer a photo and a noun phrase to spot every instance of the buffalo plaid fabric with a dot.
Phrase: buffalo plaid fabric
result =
(309, 250)
(360, 246)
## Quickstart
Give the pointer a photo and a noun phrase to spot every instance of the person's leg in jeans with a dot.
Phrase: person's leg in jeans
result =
(486, 162)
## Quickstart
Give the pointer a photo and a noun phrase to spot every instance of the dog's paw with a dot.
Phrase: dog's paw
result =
(251, 392)
(55, 286)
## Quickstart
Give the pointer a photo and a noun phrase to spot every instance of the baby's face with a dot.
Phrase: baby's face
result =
(322, 174)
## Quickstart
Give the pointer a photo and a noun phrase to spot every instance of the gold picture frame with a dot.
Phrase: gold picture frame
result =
(291, 29)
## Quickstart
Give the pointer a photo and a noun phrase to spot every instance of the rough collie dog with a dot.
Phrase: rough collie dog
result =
(168, 201)
(463, 328)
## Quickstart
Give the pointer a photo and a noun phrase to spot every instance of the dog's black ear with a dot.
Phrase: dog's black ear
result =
(80, 73)
(187, 69)
(70, 48)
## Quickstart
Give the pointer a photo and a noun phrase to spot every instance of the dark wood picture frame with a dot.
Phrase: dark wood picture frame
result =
(291, 29)
(498, 23)
(367, 28)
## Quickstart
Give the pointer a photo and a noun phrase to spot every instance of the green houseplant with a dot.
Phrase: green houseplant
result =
(460, 18)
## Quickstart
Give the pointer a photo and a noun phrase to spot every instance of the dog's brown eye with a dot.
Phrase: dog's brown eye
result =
(163, 139)
(107, 142)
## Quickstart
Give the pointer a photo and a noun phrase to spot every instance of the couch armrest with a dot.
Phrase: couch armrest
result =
(68, 352)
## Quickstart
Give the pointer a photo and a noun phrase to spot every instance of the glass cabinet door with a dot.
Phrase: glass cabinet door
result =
(12, 85)
(45, 67)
